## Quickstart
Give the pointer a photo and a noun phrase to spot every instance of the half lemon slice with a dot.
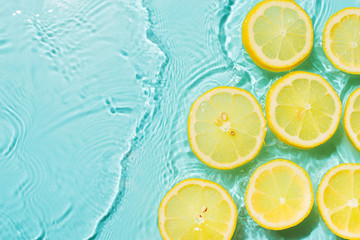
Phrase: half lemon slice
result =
(226, 127)
(341, 40)
(279, 195)
(338, 199)
(302, 109)
(277, 34)
(197, 209)
(352, 118)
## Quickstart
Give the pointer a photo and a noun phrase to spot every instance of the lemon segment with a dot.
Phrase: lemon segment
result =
(352, 118)
(302, 109)
(277, 34)
(279, 195)
(338, 200)
(197, 209)
(341, 40)
(226, 127)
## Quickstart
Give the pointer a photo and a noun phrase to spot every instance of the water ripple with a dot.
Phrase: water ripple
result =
(152, 94)
(10, 229)
(94, 109)
(10, 133)
(70, 100)
(15, 116)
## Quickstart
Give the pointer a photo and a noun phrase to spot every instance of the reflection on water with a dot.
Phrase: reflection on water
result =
(94, 100)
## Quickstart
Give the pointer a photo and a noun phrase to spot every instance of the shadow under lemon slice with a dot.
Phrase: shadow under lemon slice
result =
(279, 195)
(277, 35)
(197, 209)
(338, 199)
(226, 127)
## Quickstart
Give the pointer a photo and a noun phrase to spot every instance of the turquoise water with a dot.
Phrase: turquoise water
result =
(94, 100)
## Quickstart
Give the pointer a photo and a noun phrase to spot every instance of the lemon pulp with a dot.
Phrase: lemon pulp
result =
(226, 127)
(338, 200)
(342, 40)
(303, 109)
(197, 209)
(279, 195)
(277, 34)
(352, 118)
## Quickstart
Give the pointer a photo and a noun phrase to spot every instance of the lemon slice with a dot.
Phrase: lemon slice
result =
(277, 34)
(197, 209)
(352, 118)
(341, 40)
(338, 199)
(226, 127)
(302, 109)
(279, 195)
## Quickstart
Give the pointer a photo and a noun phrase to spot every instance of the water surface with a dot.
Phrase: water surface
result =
(94, 100)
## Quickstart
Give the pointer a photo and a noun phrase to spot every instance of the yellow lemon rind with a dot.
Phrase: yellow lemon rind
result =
(346, 121)
(293, 166)
(201, 182)
(320, 202)
(260, 140)
(259, 60)
(295, 141)
(326, 39)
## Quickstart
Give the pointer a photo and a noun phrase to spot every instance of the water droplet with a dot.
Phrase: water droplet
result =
(262, 102)
(204, 107)
(124, 53)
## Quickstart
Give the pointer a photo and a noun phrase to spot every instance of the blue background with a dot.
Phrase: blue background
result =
(94, 100)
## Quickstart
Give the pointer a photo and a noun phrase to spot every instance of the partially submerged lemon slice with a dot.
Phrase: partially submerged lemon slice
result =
(226, 127)
(277, 34)
(341, 40)
(197, 209)
(352, 118)
(338, 200)
(279, 195)
(302, 109)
